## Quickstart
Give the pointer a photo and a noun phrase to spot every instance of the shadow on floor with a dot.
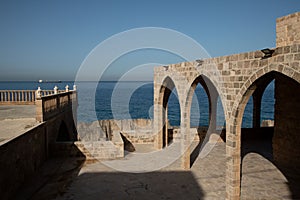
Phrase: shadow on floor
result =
(59, 178)
(201, 134)
(55, 175)
(259, 140)
(119, 185)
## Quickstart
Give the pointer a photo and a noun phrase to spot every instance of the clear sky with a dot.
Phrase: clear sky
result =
(50, 39)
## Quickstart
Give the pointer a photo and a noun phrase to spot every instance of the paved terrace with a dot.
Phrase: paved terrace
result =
(77, 178)
(15, 120)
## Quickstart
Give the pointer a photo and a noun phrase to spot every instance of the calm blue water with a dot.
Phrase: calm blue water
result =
(135, 100)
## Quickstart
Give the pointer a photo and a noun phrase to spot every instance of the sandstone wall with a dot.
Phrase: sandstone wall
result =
(135, 130)
(288, 30)
(20, 159)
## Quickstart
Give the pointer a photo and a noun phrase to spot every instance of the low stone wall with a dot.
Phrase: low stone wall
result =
(127, 126)
(139, 137)
(197, 134)
(137, 131)
(101, 150)
(20, 158)
(89, 150)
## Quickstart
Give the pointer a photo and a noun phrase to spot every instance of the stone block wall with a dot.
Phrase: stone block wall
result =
(126, 125)
(286, 140)
(288, 30)
(139, 137)
(136, 130)
(20, 159)
(197, 134)
(89, 150)
(101, 150)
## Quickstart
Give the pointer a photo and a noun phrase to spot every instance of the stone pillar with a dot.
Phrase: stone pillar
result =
(38, 93)
(233, 161)
(157, 117)
(166, 125)
(212, 95)
(185, 148)
(185, 137)
(55, 90)
(39, 110)
(213, 104)
(257, 97)
(67, 88)
(39, 105)
(158, 127)
(186, 156)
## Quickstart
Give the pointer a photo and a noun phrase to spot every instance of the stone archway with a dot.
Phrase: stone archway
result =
(292, 83)
(162, 110)
(63, 133)
(211, 133)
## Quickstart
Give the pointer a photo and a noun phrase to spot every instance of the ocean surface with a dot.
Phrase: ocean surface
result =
(125, 100)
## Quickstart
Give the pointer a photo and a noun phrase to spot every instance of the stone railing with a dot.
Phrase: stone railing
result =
(17, 96)
(22, 97)
(50, 105)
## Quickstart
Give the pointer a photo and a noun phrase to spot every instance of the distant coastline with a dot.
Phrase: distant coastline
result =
(51, 81)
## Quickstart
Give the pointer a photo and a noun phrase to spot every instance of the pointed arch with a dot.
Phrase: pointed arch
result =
(212, 95)
(257, 84)
(165, 90)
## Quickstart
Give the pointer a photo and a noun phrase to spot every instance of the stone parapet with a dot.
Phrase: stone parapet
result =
(288, 30)
(101, 150)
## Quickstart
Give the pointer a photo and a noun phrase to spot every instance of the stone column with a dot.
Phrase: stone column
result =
(158, 117)
(185, 147)
(55, 90)
(233, 161)
(67, 88)
(257, 97)
(185, 137)
(166, 125)
(213, 104)
(39, 105)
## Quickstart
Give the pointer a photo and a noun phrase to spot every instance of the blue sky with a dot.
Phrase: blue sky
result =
(50, 39)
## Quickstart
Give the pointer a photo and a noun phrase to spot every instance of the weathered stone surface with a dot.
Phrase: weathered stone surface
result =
(287, 30)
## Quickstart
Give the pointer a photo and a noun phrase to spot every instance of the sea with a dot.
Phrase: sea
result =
(133, 100)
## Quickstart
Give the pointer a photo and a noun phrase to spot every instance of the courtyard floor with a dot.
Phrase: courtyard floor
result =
(15, 120)
(73, 178)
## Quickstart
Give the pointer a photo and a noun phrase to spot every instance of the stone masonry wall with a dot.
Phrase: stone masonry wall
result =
(288, 30)
(137, 131)
(233, 77)
(286, 140)
(21, 158)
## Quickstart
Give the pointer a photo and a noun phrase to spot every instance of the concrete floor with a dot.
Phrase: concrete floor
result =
(76, 179)
(15, 120)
